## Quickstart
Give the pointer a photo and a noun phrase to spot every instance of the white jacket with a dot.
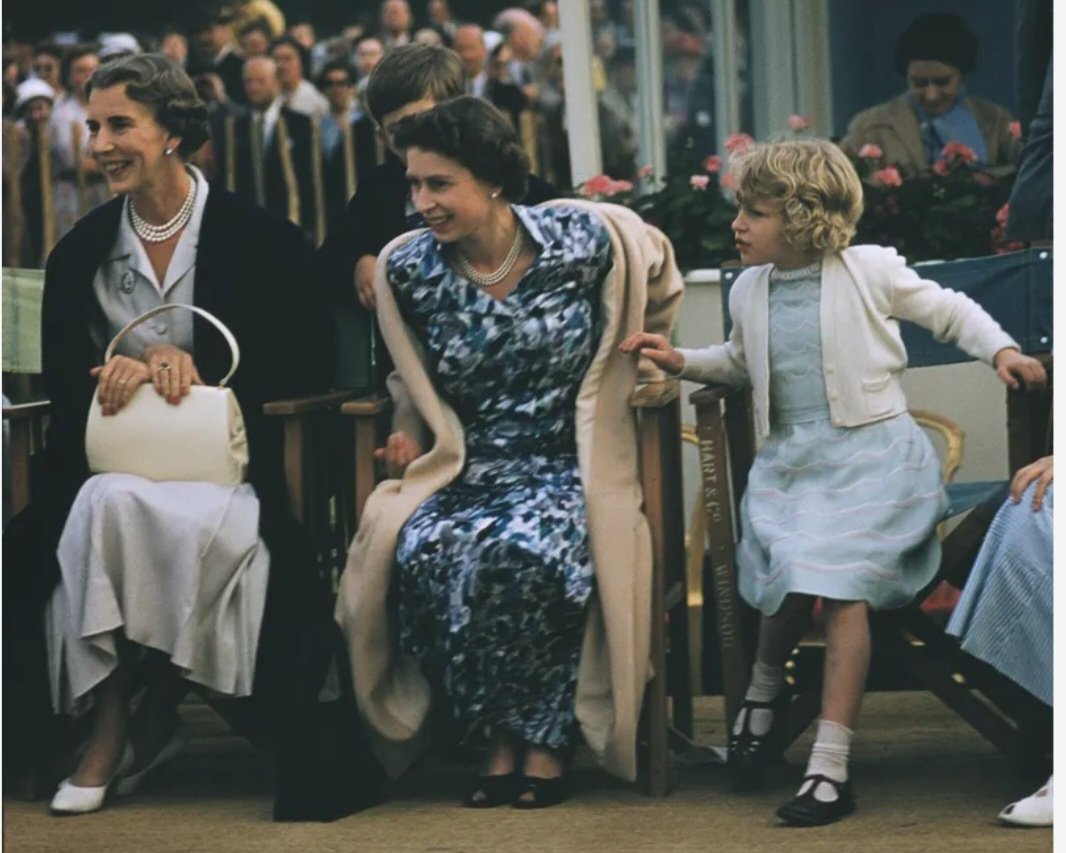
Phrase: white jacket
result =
(866, 290)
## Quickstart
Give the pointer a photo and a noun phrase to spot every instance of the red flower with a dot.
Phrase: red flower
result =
(1016, 129)
(796, 122)
(699, 182)
(871, 152)
(620, 187)
(1002, 214)
(712, 164)
(957, 152)
(739, 143)
(598, 185)
(887, 177)
(941, 167)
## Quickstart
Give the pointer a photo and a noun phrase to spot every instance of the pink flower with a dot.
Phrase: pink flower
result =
(1016, 129)
(887, 177)
(739, 143)
(712, 164)
(957, 152)
(645, 171)
(799, 122)
(871, 152)
(728, 181)
(941, 167)
(1002, 214)
(699, 182)
(619, 187)
(598, 185)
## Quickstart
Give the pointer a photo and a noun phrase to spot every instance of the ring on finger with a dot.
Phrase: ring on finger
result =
(162, 367)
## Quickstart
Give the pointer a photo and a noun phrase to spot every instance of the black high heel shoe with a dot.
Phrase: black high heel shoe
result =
(491, 791)
(749, 753)
(537, 793)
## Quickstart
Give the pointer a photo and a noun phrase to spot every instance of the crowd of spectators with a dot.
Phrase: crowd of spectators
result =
(251, 65)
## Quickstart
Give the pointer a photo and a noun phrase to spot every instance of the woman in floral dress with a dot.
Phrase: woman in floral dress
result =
(493, 573)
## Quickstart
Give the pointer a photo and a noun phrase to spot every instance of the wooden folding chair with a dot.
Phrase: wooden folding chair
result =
(1017, 291)
(668, 697)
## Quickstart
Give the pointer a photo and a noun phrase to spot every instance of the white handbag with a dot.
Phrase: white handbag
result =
(201, 439)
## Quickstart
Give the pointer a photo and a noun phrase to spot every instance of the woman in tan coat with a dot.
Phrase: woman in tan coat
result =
(510, 535)
(934, 54)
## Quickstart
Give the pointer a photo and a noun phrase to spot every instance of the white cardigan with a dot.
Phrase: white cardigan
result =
(866, 290)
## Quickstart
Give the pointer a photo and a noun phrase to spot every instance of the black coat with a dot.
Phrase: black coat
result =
(252, 273)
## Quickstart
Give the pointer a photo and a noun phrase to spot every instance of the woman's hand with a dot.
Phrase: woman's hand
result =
(656, 348)
(119, 380)
(1011, 366)
(398, 453)
(365, 268)
(1042, 471)
(172, 371)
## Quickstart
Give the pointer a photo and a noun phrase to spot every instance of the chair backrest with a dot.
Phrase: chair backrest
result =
(950, 440)
(1015, 288)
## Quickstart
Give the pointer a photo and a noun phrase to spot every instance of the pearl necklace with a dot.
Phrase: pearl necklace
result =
(491, 279)
(160, 233)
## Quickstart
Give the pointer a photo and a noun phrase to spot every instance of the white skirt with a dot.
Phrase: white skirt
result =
(177, 567)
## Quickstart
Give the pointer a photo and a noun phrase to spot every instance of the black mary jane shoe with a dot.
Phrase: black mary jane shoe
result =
(806, 810)
(537, 793)
(490, 791)
(749, 753)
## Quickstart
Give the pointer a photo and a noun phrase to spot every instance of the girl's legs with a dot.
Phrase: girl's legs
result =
(847, 663)
(778, 635)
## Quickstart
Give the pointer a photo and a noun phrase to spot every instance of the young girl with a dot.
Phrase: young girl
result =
(845, 494)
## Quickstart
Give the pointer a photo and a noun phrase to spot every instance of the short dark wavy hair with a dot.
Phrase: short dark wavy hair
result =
(158, 82)
(474, 133)
(939, 37)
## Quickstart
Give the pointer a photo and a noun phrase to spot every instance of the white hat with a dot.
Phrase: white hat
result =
(33, 88)
(112, 43)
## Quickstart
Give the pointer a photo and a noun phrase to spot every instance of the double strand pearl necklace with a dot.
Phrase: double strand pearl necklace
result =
(160, 233)
(491, 279)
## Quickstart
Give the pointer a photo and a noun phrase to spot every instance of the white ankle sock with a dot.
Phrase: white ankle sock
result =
(766, 683)
(829, 757)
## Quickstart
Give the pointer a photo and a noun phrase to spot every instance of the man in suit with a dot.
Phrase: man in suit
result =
(276, 176)
(213, 52)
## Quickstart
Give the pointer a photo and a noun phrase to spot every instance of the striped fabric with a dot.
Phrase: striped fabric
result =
(1004, 617)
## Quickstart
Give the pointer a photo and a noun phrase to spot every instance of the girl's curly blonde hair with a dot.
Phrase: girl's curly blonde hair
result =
(813, 182)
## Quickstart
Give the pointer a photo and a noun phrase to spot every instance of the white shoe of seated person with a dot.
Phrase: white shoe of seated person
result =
(1034, 810)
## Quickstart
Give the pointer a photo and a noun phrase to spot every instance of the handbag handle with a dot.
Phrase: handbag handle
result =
(235, 351)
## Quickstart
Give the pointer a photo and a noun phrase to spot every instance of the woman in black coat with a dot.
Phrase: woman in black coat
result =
(248, 268)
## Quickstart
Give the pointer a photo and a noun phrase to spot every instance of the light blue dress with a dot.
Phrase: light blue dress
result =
(1005, 615)
(845, 513)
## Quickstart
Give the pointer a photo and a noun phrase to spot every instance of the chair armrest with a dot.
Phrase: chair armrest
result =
(655, 395)
(366, 406)
(27, 411)
(713, 393)
(306, 405)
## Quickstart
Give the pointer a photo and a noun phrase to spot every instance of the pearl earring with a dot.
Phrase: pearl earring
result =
(170, 151)
(495, 194)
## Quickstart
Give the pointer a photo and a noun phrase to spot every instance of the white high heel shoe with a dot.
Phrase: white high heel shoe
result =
(73, 799)
(1034, 810)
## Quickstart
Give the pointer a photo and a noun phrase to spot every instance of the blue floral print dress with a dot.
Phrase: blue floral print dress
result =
(493, 573)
